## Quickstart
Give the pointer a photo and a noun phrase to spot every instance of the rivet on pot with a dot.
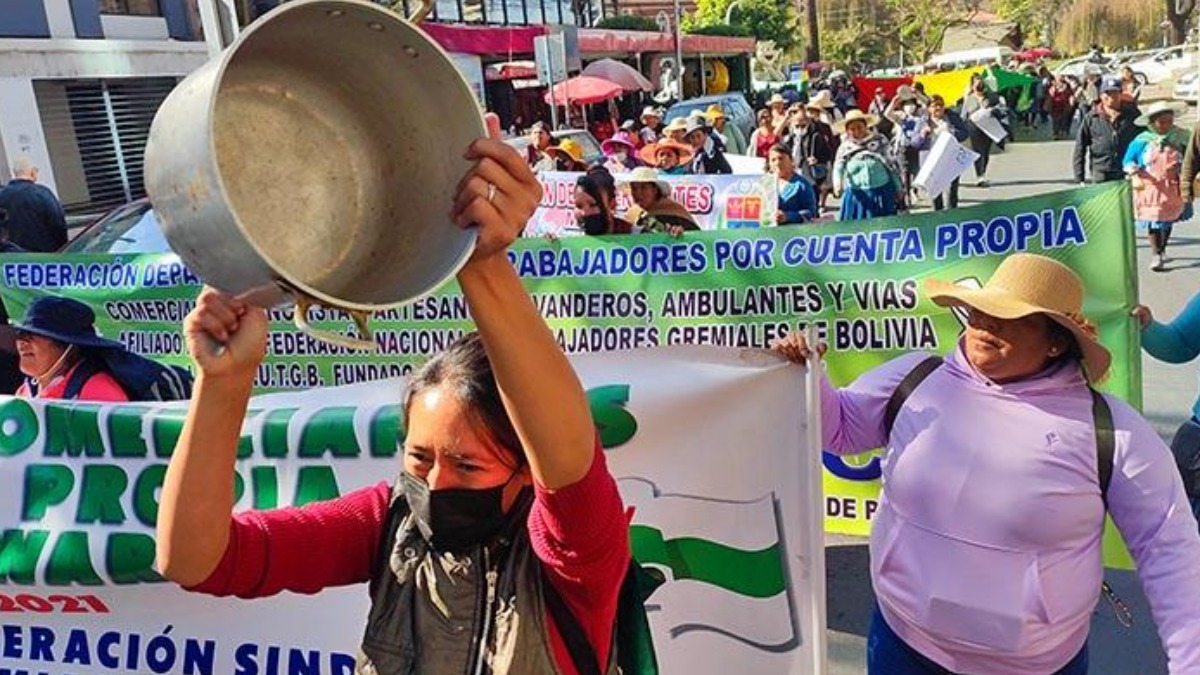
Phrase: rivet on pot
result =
(375, 25)
(411, 51)
(334, 13)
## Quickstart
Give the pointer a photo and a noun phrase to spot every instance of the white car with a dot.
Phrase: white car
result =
(1187, 88)
(1081, 66)
(1167, 63)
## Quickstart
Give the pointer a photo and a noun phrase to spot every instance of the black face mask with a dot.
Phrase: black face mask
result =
(455, 519)
(594, 224)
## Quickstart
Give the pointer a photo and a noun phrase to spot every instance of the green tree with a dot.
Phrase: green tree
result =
(853, 43)
(1038, 18)
(920, 25)
(1028, 13)
(628, 22)
(763, 19)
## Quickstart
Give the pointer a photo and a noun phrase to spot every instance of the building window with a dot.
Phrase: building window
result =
(130, 7)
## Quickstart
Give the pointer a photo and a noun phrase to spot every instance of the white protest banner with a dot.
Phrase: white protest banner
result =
(944, 163)
(717, 202)
(988, 124)
(723, 507)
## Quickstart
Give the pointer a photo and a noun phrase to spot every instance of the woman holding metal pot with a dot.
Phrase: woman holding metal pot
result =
(504, 500)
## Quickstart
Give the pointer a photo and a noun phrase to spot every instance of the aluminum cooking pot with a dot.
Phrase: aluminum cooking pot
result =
(316, 162)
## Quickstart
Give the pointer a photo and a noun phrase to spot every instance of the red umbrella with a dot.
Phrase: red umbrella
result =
(583, 89)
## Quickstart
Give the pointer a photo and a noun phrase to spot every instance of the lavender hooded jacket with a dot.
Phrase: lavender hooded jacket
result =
(985, 551)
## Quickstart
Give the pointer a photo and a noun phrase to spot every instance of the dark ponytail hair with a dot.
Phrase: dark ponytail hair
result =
(600, 185)
(464, 369)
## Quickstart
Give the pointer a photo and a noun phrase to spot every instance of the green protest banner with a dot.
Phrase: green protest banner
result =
(859, 284)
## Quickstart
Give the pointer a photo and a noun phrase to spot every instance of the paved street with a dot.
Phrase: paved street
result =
(1027, 169)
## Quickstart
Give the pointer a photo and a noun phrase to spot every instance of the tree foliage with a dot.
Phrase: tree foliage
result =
(762, 19)
(628, 22)
(853, 44)
(920, 25)
(1039, 19)
(1028, 13)
(723, 29)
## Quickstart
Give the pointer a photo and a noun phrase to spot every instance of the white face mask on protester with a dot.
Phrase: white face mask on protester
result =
(621, 156)
(910, 109)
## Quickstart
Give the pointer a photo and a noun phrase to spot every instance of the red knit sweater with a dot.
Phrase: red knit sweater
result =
(580, 533)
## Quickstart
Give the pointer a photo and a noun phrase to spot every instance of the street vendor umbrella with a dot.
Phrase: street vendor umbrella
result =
(583, 89)
(618, 73)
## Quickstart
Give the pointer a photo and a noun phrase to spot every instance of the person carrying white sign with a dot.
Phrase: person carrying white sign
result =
(504, 517)
(1000, 464)
(943, 123)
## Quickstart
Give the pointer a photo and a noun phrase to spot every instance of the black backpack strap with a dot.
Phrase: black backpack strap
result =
(79, 377)
(1106, 441)
(905, 389)
(583, 655)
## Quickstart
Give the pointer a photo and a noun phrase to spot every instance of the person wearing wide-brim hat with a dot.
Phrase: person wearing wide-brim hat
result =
(55, 338)
(731, 136)
(568, 155)
(863, 174)
(654, 210)
(675, 129)
(709, 157)
(668, 156)
(906, 116)
(621, 153)
(1153, 161)
(777, 105)
(652, 127)
(992, 471)
(822, 107)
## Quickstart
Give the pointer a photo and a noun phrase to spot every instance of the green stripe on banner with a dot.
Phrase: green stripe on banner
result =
(757, 574)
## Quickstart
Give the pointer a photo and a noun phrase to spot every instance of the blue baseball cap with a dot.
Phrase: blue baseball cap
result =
(1111, 83)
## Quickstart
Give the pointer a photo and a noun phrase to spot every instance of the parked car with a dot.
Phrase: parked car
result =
(1187, 89)
(591, 147)
(734, 105)
(1166, 63)
(1079, 67)
(1121, 58)
(132, 228)
(970, 57)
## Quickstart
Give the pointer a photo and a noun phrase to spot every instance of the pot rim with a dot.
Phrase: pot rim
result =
(290, 284)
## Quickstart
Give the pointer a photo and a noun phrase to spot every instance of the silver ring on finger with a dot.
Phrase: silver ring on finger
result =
(491, 192)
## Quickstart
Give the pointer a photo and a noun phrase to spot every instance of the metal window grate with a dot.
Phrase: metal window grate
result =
(97, 131)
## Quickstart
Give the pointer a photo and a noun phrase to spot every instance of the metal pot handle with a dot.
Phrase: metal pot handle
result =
(300, 316)
(417, 16)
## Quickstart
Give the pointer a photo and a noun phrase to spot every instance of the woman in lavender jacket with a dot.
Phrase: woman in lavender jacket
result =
(985, 551)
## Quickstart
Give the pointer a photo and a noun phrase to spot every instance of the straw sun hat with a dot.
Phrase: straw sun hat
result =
(823, 100)
(855, 116)
(1026, 284)
(1158, 108)
(567, 147)
(650, 152)
(645, 174)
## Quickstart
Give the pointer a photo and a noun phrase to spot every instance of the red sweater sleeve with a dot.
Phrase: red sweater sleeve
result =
(331, 543)
(580, 533)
